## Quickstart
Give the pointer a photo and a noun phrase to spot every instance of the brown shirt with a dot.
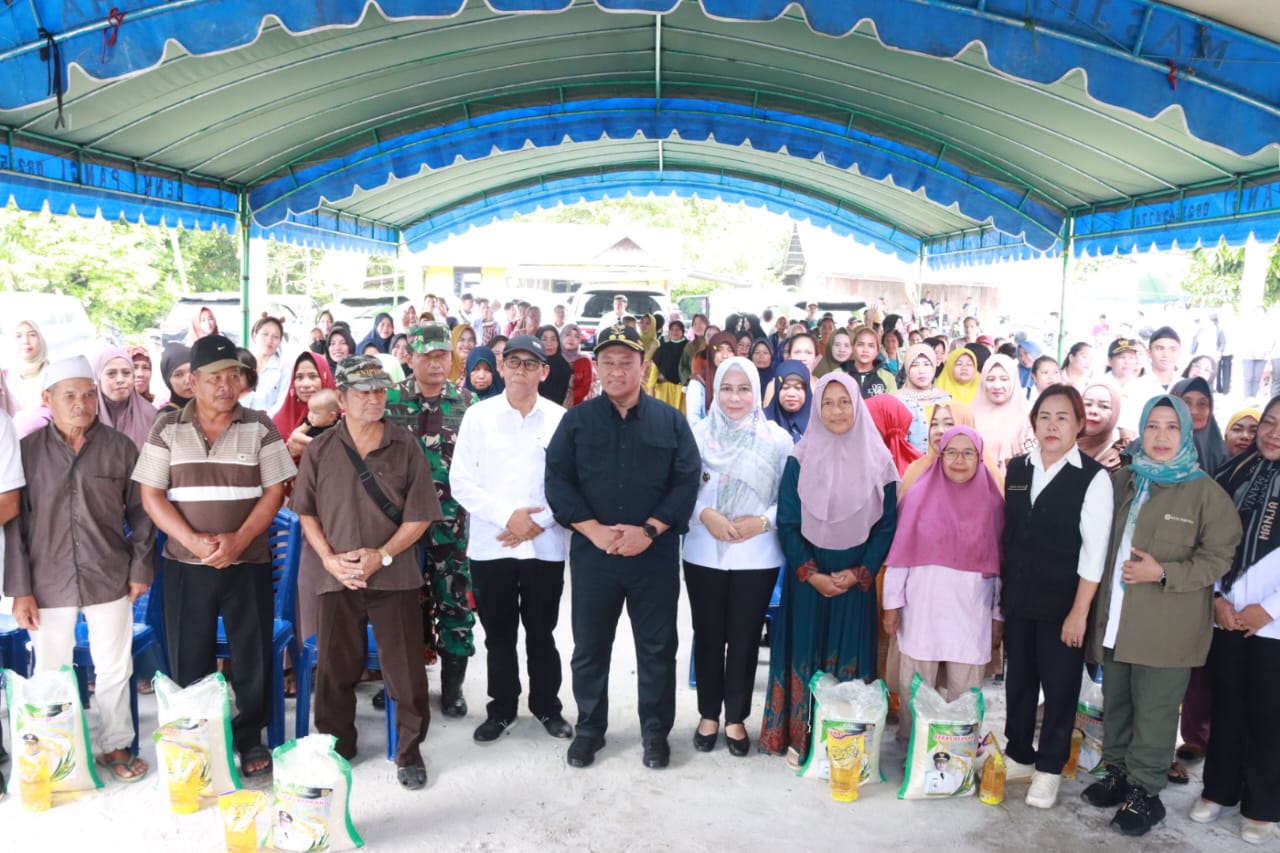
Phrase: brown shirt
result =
(214, 487)
(67, 546)
(329, 489)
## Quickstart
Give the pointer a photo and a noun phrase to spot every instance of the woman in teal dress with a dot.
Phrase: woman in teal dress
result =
(837, 512)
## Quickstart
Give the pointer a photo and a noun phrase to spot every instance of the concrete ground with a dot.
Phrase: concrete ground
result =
(519, 795)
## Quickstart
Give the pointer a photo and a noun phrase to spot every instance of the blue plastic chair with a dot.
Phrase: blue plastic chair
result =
(285, 539)
(775, 602)
(306, 680)
(146, 646)
(14, 642)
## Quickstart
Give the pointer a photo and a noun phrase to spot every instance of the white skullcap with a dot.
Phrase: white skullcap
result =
(76, 367)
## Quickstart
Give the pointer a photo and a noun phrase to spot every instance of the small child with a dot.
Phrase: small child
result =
(322, 411)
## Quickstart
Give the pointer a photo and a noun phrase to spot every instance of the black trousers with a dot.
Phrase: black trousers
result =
(194, 595)
(397, 630)
(651, 592)
(728, 609)
(1224, 375)
(1241, 765)
(1037, 659)
(508, 593)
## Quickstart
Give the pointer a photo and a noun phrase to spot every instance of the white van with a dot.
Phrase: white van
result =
(61, 319)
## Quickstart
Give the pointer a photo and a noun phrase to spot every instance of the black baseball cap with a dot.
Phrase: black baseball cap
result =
(1120, 345)
(526, 343)
(619, 335)
(214, 353)
(1164, 332)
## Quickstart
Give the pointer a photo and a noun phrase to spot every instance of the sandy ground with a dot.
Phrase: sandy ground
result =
(519, 795)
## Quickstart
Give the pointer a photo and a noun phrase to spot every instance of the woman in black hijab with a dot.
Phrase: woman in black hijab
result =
(176, 358)
(346, 345)
(558, 386)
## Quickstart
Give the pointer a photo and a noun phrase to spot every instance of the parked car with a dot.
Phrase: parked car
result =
(176, 326)
(61, 319)
(593, 302)
(359, 307)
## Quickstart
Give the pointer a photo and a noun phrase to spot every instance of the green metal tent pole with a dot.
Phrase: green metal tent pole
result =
(245, 221)
(1066, 272)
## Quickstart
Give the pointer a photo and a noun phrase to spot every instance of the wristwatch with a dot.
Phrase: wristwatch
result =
(386, 557)
(1164, 579)
(764, 524)
(650, 531)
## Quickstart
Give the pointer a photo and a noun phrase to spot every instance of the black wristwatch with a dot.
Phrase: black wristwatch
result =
(650, 531)
(1164, 579)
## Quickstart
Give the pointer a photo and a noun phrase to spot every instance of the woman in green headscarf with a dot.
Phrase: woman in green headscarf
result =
(1174, 535)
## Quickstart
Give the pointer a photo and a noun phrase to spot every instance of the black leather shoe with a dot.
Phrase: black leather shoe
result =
(705, 743)
(412, 777)
(380, 699)
(657, 753)
(738, 746)
(491, 729)
(582, 752)
(556, 726)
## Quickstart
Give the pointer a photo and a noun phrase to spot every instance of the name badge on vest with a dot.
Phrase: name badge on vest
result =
(1014, 487)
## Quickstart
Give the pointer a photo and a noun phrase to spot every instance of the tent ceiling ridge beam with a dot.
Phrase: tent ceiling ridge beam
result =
(551, 125)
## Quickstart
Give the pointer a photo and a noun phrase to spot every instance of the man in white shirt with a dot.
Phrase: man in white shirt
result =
(1165, 347)
(516, 549)
(941, 781)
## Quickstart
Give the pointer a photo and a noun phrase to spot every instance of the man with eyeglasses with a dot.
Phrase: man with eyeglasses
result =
(622, 471)
(431, 407)
(516, 548)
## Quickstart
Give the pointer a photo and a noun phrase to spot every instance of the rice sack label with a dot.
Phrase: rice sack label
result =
(311, 793)
(196, 725)
(853, 708)
(183, 744)
(1089, 722)
(941, 758)
(300, 817)
(48, 730)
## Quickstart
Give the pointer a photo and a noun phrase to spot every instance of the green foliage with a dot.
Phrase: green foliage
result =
(212, 260)
(123, 274)
(1216, 274)
(694, 288)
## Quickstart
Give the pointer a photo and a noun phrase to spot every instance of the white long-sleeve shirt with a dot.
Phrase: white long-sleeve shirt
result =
(1095, 513)
(1259, 585)
(762, 551)
(494, 429)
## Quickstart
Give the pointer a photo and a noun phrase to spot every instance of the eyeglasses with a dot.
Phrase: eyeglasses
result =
(526, 364)
(951, 455)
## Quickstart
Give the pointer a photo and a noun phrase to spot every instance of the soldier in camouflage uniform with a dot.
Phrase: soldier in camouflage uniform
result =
(431, 407)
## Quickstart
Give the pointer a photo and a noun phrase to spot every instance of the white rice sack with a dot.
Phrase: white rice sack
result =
(47, 723)
(1089, 721)
(197, 719)
(944, 744)
(311, 797)
(849, 706)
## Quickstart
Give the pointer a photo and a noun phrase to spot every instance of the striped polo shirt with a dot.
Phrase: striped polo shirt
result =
(214, 488)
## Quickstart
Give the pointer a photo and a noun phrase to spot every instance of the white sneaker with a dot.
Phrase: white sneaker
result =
(1256, 831)
(1205, 811)
(1016, 770)
(1043, 793)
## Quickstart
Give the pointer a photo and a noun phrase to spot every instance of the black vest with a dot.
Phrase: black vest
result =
(1038, 572)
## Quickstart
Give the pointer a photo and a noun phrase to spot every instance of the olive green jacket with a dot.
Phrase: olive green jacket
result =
(1191, 529)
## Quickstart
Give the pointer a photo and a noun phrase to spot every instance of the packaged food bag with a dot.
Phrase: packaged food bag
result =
(195, 727)
(944, 744)
(853, 707)
(1089, 722)
(47, 727)
(311, 797)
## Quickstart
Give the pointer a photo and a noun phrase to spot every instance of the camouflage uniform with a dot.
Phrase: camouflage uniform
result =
(448, 605)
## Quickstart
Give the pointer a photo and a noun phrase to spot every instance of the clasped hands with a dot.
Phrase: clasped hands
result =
(216, 550)
(1250, 619)
(521, 527)
(354, 568)
(722, 529)
(838, 583)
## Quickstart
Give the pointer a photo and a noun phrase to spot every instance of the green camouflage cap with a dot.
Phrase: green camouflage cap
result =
(362, 373)
(432, 336)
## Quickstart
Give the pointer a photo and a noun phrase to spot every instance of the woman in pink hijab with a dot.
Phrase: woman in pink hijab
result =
(120, 406)
(942, 575)
(837, 510)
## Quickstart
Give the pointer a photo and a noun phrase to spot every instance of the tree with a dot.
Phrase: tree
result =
(1216, 275)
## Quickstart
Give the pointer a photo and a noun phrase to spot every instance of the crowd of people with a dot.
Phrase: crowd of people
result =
(957, 509)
